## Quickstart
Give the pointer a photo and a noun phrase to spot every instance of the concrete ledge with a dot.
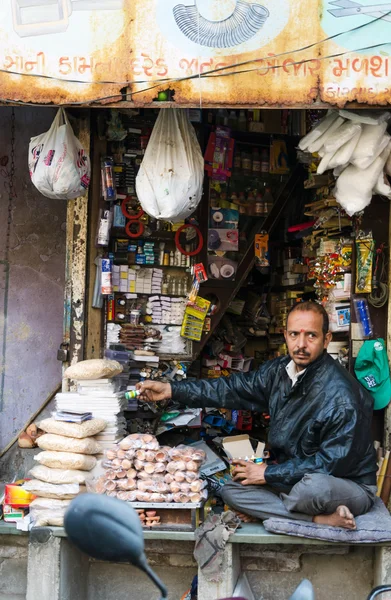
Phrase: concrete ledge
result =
(249, 533)
(10, 529)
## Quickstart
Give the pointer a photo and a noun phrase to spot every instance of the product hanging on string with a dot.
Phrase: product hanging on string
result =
(58, 164)
(169, 182)
(357, 147)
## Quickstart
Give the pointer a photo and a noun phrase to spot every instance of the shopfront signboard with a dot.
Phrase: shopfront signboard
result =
(210, 52)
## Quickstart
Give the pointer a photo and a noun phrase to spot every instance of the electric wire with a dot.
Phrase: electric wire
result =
(121, 97)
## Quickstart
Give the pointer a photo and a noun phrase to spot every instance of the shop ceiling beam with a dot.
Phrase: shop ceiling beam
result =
(76, 264)
(226, 291)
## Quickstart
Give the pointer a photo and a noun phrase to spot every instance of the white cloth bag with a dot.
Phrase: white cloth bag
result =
(58, 164)
(169, 182)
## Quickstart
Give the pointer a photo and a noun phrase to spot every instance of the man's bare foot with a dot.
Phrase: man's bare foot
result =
(246, 518)
(342, 517)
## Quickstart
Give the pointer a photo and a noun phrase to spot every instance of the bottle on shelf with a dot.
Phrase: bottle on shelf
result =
(220, 117)
(178, 258)
(242, 204)
(172, 258)
(246, 163)
(232, 119)
(165, 286)
(237, 162)
(259, 205)
(268, 200)
(265, 165)
(242, 121)
(188, 258)
(161, 253)
(256, 162)
(251, 204)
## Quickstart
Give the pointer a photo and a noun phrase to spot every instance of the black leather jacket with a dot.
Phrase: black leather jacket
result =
(321, 425)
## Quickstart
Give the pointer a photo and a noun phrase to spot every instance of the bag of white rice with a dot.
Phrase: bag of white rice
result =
(366, 149)
(354, 187)
(58, 475)
(61, 443)
(45, 518)
(343, 134)
(73, 430)
(318, 130)
(48, 511)
(49, 504)
(95, 368)
(317, 144)
(66, 460)
(344, 153)
(66, 491)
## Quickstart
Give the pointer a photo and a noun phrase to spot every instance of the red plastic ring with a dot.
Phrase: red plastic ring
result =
(200, 240)
(128, 215)
(139, 231)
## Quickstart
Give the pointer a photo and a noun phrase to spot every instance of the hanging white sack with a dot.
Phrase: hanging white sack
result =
(344, 154)
(368, 144)
(318, 130)
(58, 164)
(169, 182)
(354, 186)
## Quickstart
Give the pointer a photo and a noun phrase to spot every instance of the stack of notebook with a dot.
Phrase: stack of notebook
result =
(100, 398)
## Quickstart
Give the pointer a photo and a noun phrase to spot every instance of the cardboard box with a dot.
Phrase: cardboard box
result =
(299, 269)
(13, 514)
(213, 463)
(239, 446)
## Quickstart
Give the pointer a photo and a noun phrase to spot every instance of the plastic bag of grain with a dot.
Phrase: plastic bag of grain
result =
(73, 430)
(65, 491)
(58, 475)
(45, 518)
(318, 130)
(48, 511)
(95, 368)
(343, 155)
(49, 504)
(354, 187)
(66, 460)
(366, 150)
(61, 443)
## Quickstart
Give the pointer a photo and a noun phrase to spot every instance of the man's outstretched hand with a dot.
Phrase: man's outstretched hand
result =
(248, 473)
(154, 391)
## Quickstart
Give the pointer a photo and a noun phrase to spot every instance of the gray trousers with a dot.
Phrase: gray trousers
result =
(315, 494)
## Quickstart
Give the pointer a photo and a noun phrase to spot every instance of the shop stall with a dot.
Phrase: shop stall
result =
(206, 295)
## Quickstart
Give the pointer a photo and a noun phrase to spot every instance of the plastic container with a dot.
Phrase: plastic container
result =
(363, 317)
(122, 356)
(339, 316)
(134, 317)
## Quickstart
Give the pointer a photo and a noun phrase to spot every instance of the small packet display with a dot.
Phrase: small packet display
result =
(138, 469)
(365, 248)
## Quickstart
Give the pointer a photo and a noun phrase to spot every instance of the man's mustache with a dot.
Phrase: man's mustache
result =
(302, 352)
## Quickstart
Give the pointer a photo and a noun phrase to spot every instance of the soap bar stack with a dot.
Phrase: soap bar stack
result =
(165, 310)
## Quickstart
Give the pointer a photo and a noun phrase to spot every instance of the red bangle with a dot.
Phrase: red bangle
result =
(128, 215)
(200, 240)
(140, 229)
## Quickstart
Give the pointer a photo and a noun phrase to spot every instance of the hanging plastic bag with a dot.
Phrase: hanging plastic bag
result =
(58, 164)
(169, 182)
(354, 187)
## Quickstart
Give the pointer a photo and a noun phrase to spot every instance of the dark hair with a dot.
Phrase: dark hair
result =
(315, 307)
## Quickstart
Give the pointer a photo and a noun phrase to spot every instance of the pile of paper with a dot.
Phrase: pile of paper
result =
(100, 398)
